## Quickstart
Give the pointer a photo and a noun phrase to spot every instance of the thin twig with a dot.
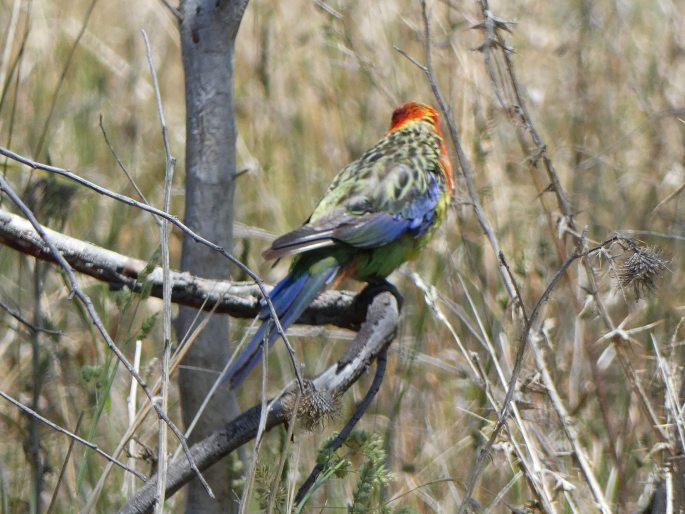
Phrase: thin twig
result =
(532, 470)
(264, 409)
(521, 348)
(26, 322)
(170, 161)
(121, 164)
(673, 403)
(500, 495)
(278, 472)
(477, 369)
(653, 233)
(73, 436)
(184, 347)
(131, 404)
(522, 111)
(53, 500)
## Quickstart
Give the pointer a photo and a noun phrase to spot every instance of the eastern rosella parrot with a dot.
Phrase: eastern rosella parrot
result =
(378, 212)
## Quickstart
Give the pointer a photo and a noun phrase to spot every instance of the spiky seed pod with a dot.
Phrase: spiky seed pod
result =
(642, 269)
(314, 407)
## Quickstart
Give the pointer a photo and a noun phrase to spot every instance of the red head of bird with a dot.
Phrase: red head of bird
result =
(412, 112)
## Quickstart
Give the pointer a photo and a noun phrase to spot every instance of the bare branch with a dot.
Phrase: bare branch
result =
(60, 478)
(340, 439)
(376, 333)
(568, 425)
(469, 176)
(160, 213)
(239, 299)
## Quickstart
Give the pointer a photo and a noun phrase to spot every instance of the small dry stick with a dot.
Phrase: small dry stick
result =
(131, 409)
(673, 403)
(121, 164)
(264, 409)
(278, 473)
(66, 432)
(26, 322)
(217, 382)
(53, 500)
(166, 286)
(520, 352)
(481, 376)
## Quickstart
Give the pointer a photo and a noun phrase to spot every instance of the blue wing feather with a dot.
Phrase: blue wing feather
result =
(381, 228)
(362, 229)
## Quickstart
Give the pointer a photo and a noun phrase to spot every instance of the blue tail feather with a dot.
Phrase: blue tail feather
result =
(290, 297)
(282, 295)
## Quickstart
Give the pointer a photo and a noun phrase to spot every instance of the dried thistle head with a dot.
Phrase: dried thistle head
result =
(641, 269)
(313, 408)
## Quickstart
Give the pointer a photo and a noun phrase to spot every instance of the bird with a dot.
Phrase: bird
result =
(379, 211)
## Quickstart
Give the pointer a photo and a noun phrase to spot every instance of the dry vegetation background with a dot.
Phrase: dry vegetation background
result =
(315, 86)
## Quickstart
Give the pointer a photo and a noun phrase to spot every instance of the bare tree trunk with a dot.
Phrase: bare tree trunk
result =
(208, 32)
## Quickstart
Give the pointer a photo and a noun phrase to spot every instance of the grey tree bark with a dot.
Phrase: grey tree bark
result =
(208, 33)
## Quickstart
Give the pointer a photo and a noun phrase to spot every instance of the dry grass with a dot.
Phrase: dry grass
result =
(605, 88)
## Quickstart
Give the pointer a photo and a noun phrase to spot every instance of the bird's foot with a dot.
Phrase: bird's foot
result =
(372, 289)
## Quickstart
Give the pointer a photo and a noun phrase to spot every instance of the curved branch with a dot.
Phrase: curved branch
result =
(239, 299)
(340, 439)
(373, 338)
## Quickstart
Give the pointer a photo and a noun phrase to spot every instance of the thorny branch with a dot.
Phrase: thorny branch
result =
(566, 224)
(469, 177)
(495, 41)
